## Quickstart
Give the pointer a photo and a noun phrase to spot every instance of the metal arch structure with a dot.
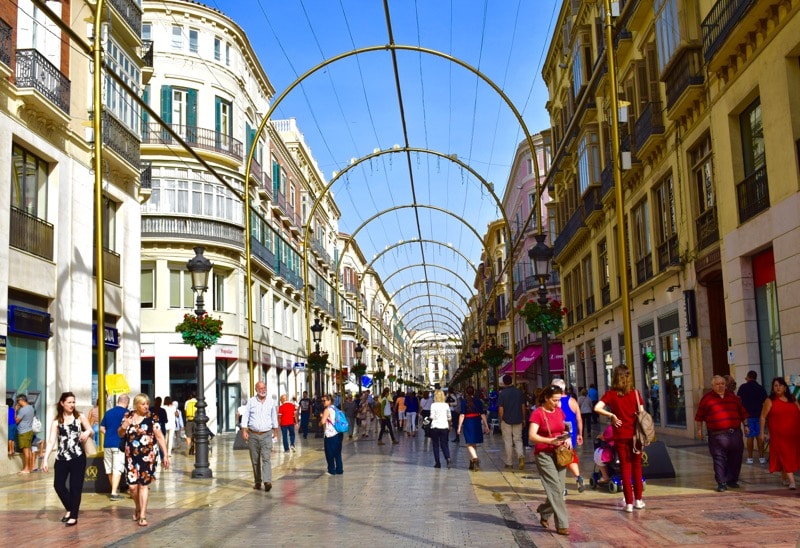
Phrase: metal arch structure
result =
(450, 321)
(411, 299)
(433, 265)
(393, 48)
(437, 306)
(434, 282)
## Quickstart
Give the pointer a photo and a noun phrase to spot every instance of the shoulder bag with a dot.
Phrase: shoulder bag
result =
(644, 430)
(564, 455)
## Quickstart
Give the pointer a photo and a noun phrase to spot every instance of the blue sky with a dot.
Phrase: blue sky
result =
(351, 107)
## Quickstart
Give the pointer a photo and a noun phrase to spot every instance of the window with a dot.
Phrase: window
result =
(291, 196)
(193, 39)
(109, 224)
(227, 54)
(668, 32)
(532, 205)
(148, 293)
(194, 197)
(177, 37)
(218, 289)
(180, 289)
(180, 103)
(29, 182)
(770, 346)
(588, 285)
(529, 166)
(118, 101)
(666, 224)
(36, 31)
(588, 162)
(752, 138)
(674, 389)
(277, 316)
(217, 48)
(641, 242)
(603, 271)
(147, 30)
(223, 122)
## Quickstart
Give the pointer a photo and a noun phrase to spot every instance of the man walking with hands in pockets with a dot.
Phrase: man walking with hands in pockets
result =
(259, 424)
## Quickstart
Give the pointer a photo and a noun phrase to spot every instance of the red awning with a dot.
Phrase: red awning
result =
(556, 351)
(524, 360)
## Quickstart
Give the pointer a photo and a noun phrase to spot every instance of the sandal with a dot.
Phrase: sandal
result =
(135, 517)
(142, 522)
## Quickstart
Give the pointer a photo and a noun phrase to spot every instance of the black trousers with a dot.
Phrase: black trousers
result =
(386, 424)
(68, 483)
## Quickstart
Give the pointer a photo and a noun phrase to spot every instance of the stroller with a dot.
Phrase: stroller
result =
(605, 455)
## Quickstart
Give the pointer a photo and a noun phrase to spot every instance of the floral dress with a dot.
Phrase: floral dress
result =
(141, 451)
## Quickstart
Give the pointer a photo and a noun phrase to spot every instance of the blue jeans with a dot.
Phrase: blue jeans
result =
(304, 418)
(287, 432)
(333, 453)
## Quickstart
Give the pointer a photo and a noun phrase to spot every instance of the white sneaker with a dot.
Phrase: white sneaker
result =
(639, 504)
(762, 460)
(629, 508)
(749, 461)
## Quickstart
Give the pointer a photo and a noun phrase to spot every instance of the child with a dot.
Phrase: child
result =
(604, 454)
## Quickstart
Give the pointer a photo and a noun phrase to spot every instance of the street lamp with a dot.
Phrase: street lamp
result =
(541, 254)
(199, 267)
(379, 362)
(491, 330)
(359, 352)
(316, 335)
(391, 371)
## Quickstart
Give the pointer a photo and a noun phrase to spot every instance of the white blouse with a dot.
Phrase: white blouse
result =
(440, 415)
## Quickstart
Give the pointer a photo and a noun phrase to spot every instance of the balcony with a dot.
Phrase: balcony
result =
(350, 288)
(719, 23)
(592, 204)
(590, 306)
(707, 228)
(120, 139)
(644, 269)
(752, 194)
(684, 81)
(131, 13)
(649, 124)
(285, 208)
(37, 74)
(605, 295)
(606, 180)
(319, 249)
(668, 253)
(31, 234)
(349, 327)
(111, 267)
(569, 233)
(262, 253)
(147, 61)
(168, 228)
(5, 43)
(202, 138)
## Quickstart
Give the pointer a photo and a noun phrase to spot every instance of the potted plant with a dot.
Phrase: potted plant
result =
(202, 332)
(546, 319)
(359, 370)
(379, 376)
(392, 378)
(318, 361)
(495, 354)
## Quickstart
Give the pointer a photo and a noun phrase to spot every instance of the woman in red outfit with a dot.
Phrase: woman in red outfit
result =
(781, 413)
(621, 404)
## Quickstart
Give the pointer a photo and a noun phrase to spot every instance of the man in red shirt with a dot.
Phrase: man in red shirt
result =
(724, 415)
(286, 418)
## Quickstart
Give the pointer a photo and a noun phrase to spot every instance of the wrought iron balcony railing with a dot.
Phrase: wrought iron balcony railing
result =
(752, 194)
(685, 71)
(207, 139)
(720, 21)
(146, 175)
(195, 228)
(121, 139)
(707, 228)
(36, 72)
(5, 43)
(649, 123)
(644, 269)
(131, 12)
(31, 234)
(147, 53)
(668, 253)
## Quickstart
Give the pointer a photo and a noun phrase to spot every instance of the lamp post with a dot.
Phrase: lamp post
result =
(491, 330)
(476, 348)
(541, 254)
(316, 334)
(199, 267)
(359, 352)
(391, 372)
(379, 362)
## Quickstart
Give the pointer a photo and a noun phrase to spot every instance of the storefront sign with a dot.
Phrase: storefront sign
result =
(690, 310)
(227, 352)
(3, 344)
(28, 322)
(110, 336)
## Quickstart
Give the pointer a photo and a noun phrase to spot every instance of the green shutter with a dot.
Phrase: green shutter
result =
(191, 115)
(276, 178)
(145, 116)
(166, 111)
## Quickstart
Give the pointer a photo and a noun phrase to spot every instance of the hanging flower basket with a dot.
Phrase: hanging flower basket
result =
(392, 378)
(359, 370)
(545, 319)
(201, 332)
(318, 361)
(494, 355)
(476, 365)
(379, 376)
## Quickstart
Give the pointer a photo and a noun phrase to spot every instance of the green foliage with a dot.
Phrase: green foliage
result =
(318, 361)
(379, 376)
(545, 319)
(201, 332)
(359, 369)
(495, 354)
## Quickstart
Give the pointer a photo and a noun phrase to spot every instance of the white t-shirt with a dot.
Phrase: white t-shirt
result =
(330, 431)
(440, 415)
(170, 417)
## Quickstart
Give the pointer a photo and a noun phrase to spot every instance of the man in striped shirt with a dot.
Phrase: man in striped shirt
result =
(724, 415)
(259, 424)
